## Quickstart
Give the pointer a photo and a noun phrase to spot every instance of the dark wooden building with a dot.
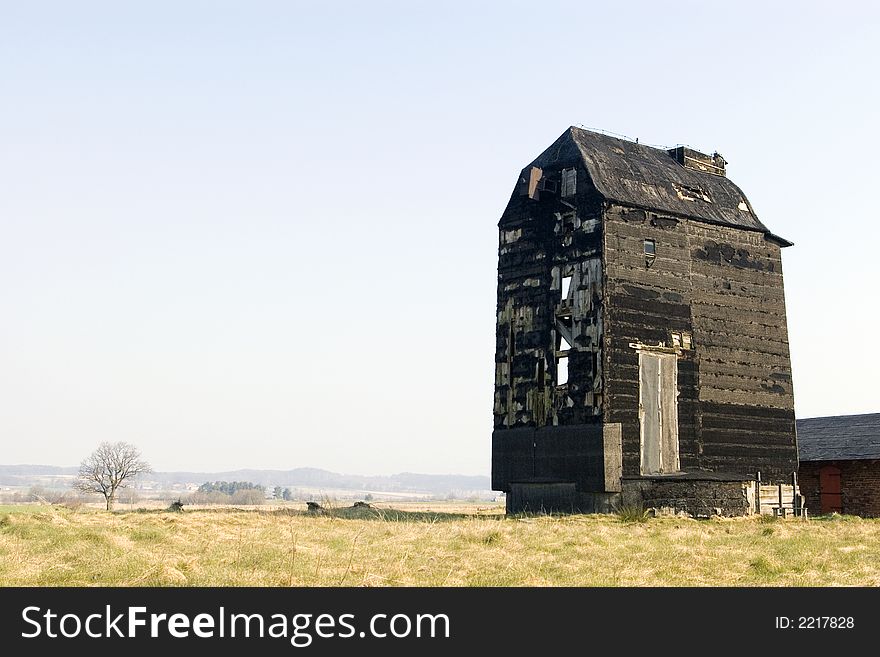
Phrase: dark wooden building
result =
(840, 464)
(641, 350)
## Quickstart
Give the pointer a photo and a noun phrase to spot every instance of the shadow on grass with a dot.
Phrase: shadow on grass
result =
(345, 513)
(382, 515)
(836, 517)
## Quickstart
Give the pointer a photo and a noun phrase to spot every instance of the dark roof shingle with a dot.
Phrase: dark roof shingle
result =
(839, 437)
(647, 177)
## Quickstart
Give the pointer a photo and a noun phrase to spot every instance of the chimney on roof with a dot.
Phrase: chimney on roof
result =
(691, 159)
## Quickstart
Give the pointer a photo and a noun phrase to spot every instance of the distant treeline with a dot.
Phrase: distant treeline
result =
(228, 487)
(228, 492)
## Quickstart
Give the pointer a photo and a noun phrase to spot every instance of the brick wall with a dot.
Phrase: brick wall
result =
(699, 498)
(859, 486)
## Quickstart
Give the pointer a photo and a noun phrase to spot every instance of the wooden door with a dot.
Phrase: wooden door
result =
(658, 412)
(830, 498)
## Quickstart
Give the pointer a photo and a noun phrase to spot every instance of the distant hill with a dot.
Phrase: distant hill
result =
(28, 475)
(26, 470)
(33, 475)
(316, 478)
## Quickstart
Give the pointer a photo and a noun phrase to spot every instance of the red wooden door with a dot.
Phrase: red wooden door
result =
(829, 489)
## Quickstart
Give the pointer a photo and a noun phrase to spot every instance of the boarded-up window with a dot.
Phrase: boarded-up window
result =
(658, 412)
(569, 182)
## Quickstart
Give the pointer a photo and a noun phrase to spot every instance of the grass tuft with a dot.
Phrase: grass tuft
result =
(632, 513)
(764, 568)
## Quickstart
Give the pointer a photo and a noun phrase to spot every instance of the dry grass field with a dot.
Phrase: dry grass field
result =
(465, 545)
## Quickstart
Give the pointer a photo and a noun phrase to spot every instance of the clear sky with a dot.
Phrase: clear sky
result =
(263, 234)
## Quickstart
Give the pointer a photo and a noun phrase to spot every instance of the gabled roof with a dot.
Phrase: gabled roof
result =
(839, 438)
(651, 178)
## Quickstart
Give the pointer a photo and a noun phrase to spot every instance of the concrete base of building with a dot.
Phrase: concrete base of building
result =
(693, 495)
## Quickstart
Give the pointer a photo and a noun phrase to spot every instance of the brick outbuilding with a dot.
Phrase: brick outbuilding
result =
(840, 464)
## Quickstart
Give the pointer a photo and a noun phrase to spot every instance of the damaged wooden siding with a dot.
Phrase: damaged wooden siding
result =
(546, 248)
(542, 246)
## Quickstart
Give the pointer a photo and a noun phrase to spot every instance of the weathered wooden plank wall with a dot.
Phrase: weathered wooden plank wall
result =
(645, 304)
(723, 286)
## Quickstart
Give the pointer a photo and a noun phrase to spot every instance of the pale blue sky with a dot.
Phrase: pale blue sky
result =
(263, 234)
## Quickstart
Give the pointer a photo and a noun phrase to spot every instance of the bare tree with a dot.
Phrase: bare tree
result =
(109, 468)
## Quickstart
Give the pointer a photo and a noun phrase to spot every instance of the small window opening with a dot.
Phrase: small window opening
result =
(569, 182)
(562, 370)
(650, 252)
(566, 286)
(686, 340)
(565, 228)
(564, 327)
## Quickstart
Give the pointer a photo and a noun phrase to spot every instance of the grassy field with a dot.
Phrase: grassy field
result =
(456, 546)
